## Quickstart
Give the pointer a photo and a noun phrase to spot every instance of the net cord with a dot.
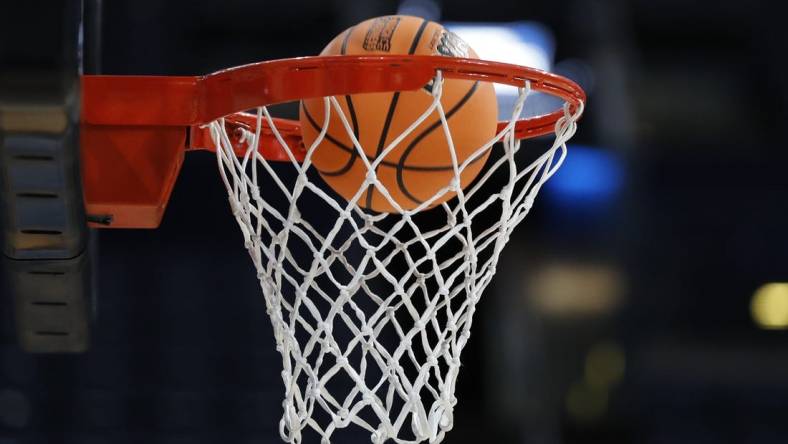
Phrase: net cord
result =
(386, 393)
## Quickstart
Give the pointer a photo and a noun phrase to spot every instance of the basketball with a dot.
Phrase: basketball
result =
(421, 164)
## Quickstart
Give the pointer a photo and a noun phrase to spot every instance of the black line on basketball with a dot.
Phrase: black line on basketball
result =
(343, 50)
(352, 111)
(390, 114)
(409, 149)
(417, 37)
(353, 153)
(382, 141)
(386, 163)
(348, 98)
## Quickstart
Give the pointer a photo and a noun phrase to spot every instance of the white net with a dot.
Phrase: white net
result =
(371, 311)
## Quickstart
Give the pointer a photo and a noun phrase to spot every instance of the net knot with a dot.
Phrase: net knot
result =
(528, 202)
(295, 215)
(506, 193)
(437, 85)
(463, 339)
(235, 209)
(244, 136)
(290, 423)
(256, 194)
(244, 198)
(371, 177)
(447, 416)
(300, 184)
(342, 418)
(454, 185)
(379, 436)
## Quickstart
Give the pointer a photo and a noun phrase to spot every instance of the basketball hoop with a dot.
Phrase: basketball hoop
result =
(371, 312)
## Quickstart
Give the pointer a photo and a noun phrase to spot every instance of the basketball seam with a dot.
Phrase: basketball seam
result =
(351, 110)
(353, 154)
(412, 146)
(382, 142)
(390, 115)
(385, 163)
(348, 98)
(417, 38)
(351, 159)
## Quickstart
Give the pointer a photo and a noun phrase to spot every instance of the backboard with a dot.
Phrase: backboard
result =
(46, 241)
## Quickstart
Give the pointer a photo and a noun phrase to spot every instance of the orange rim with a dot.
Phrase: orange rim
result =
(195, 100)
(135, 129)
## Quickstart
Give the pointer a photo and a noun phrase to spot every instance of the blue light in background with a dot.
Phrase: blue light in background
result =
(589, 177)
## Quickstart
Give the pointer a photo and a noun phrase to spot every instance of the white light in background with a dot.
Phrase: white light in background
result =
(769, 306)
(575, 290)
(521, 43)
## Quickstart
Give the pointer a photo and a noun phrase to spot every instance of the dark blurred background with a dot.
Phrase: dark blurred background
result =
(640, 302)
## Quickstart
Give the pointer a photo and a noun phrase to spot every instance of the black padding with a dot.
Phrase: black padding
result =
(46, 259)
(52, 304)
(41, 196)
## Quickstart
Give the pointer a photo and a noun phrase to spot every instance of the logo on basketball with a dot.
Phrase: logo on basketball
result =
(448, 44)
(379, 35)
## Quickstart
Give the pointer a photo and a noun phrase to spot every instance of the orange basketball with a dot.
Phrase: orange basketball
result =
(421, 164)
